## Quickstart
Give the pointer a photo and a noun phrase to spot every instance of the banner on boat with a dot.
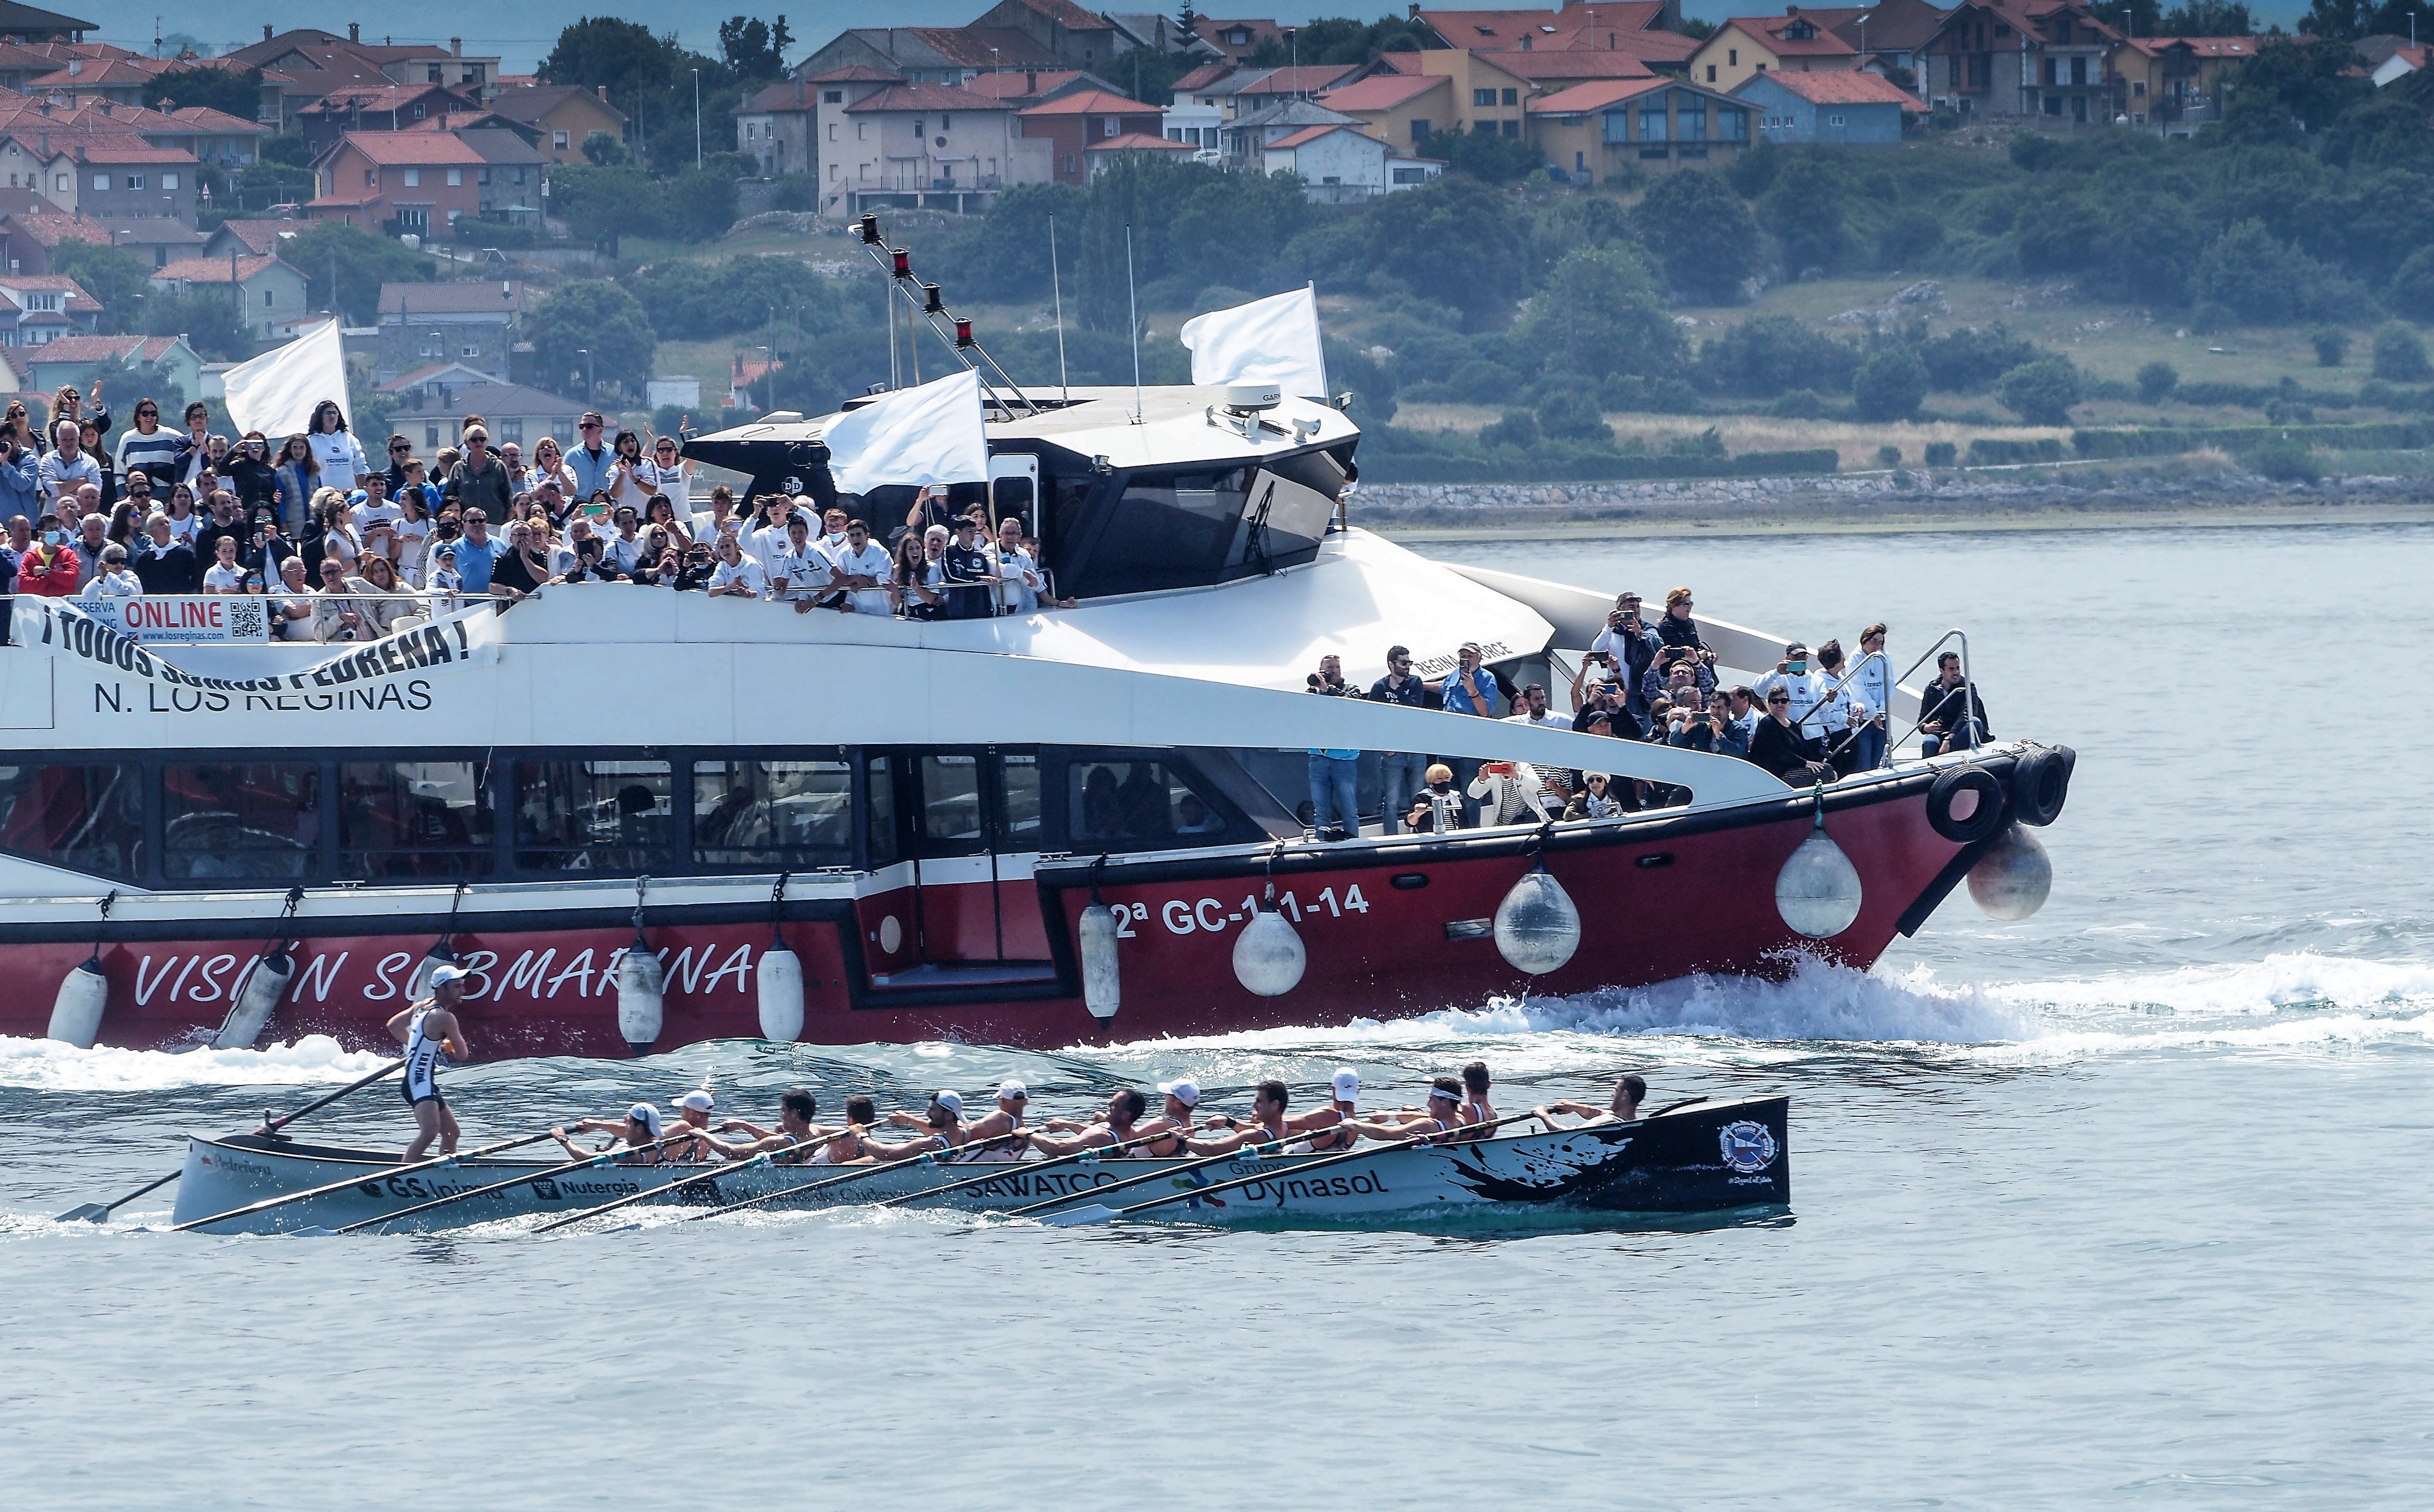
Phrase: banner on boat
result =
(134, 673)
(165, 619)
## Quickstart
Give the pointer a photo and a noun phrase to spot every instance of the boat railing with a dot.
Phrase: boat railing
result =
(1974, 731)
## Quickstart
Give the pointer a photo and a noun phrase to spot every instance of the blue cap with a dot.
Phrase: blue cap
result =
(358, 496)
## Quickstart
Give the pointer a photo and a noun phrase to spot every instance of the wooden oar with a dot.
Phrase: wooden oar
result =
(606, 1156)
(857, 1174)
(1098, 1213)
(1095, 1150)
(98, 1211)
(730, 1168)
(376, 1172)
(1235, 1153)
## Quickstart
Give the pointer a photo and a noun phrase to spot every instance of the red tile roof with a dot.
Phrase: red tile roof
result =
(1091, 102)
(412, 149)
(1843, 86)
(114, 150)
(1138, 142)
(984, 47)
(1022, 83)
(856, 73)
(2212, 46)
(103, 349)
(1768, 32)
(1306, 79)
(1381, 91)
(1594, 96)
(77, 301)
(117, 73)
(1551, 67)
(1069, 15)
(260, 236)
(1200, 77)
(1311, 133)
(924, 97)
(210, 270)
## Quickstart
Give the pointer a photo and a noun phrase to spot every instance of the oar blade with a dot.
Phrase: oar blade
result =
(88, 1212)
(1079, 1217)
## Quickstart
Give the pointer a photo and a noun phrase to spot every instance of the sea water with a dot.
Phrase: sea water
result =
(2124, 1206)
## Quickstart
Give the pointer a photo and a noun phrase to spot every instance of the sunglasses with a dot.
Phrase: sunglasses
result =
(400, 447)
(589, 426)
(1778, 700)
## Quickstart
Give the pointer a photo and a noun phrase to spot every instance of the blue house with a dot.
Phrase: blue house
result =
(1841, 107)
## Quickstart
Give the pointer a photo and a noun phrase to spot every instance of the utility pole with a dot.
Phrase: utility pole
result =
(696, 120)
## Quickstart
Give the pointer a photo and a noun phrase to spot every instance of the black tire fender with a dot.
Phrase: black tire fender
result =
(1984, 817)
(2041, 786)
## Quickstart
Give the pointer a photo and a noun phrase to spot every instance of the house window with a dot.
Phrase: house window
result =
(1733, 57)
(557, 141)
(62, 183)
(135, 181)
(1410, 175)
(2078, 70)
(267, 300)
(1732, 124)
(1419, 126)
(414, 178)
(1692, 121)
(1711, 72)
(512, 430)
(1482, 96)
(168, 181)
(456, 178)
(372, 178)
(2139, 89)
(1837, 120)
(1512, 97)
(473, 349)
(861, 130)
(421, 109)
(1509, 127)
(2054, 105)
(482, 174)
(1651, 121)
(431, 74)
(1107, 126)
(430, 433)
(1615, 125)
(832, 97)
(101, 181)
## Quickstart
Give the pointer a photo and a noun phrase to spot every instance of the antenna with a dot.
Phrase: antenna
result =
(928, 307)
(1132, 300)
(1056, 286)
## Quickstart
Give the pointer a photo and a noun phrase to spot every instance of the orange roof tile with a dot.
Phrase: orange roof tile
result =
(1381, 91)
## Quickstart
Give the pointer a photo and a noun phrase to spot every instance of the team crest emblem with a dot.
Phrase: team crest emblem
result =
(1747, 1147)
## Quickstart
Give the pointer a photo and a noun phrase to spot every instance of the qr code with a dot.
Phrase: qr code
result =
(245, 619)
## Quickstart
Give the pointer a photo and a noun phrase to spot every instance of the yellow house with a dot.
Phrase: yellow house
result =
(1485, 98)
(2166, 79)
(1797, 40)
(1620, 127)
(1397, 108)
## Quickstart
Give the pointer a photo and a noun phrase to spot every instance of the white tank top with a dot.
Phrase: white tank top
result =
(422, 1059)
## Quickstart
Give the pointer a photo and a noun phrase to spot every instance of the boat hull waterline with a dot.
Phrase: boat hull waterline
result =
(1706, 1158)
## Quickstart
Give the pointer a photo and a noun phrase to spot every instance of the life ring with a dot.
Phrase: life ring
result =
(1981, 814)
(2040, 786)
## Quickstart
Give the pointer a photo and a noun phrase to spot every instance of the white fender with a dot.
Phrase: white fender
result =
(75, 1013)
(1268, 955)
(1817, 892)
(1537, 928)
(1102, 982)
(641, 986)
(2012, 876)
(250, 1014)
(782, 995)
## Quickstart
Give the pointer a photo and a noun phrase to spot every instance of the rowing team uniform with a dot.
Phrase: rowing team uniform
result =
(1008, 1149)
(821, 1156)
(1334, 1137)
(423, 1055)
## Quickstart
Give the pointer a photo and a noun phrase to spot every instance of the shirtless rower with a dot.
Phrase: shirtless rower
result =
(1118, 1124)
(640, 1125)
(1444, 1116)
(1330, 1128)
(943, 1118)
(1475, 1108)
(428, 1027)
(1629, 1094)
(1004, 1119)
(693, 1108)
(1268, 1110)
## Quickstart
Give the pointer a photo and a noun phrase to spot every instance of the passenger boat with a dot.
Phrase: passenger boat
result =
(643, 818)
(1701, 1157)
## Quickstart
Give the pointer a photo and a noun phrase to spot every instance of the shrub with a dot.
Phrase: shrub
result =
(1650, 396)
(2040, 392)
(1571, 416)
(1701, 233)
(2155, 380)
(2331, 347)
(1890, 383)
(1518, 428)
(1801, 404)
(1968, 361)
(2400, 357)
(2284, 462)
(2412, 284)
(1707, 443)
(2247, 269)
(1942, 454)
(1767, 355)
(1888, 457)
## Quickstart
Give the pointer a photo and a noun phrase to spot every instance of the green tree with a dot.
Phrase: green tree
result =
(2312, 80)
(1890, 384)
(236, 92)
(362, 261)
(1702, 236)
(1483, 155)
(2040, 392)
(624, 56)
(1770, 354)
(753, 50)
(2249, 271)
(1598, 314)
(700, 202)
(1455, 241)
(2332, 344)
(288, 147)
(2207, 18)
(597, 316)
(2412, 286)
(1339, 40)
(601, 204)
(602, 149)
(2155, 381)
(119, 277)
(205, 317)
(735, 296)
(2400, 356)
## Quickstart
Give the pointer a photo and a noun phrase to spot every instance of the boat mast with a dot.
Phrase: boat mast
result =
(1056, 288)
(897, 263)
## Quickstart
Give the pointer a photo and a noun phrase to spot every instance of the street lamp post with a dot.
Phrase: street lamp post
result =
(696, 119)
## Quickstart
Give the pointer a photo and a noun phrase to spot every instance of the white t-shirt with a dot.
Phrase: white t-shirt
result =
(294, 629)
(184, 529)
(796, 576)
(1549, 720)
(1017, 595)
(219, 579)
(871, 561)
(1873, 681)
(622, 553)
(413, 538)
(1806, 688)
(1830, 716)
(747, 571)
(120, 584)
(365, 514)
(341, 458)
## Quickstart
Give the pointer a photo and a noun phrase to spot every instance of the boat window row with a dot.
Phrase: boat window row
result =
(205, 820)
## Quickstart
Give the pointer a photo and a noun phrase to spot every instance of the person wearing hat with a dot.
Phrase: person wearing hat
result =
(443, 577)
(999, 1123)
(1803, 683)
(639, 1131)
(692, 1112)
(1330, 1128)
(1173, 1120)
(428, 1028)
(789, 1143)
(1267, 1126)
(1422, 817)
(943, 1118)
(1120, 1122)
(1444, 1116)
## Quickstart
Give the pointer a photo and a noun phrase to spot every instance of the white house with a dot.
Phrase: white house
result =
(1339, 164)
(1192, 123)
(2403, 62)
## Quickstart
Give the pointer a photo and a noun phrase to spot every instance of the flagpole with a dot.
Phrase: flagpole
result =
(1325, 394)
(1132, 300)
(1056, 287)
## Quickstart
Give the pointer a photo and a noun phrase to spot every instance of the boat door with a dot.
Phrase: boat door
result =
(1014, 489)
(974, 821)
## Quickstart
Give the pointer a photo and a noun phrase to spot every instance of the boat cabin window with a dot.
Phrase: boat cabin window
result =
(879, 804)
(1131, 804)
(1155, 530)
(594, 816)
(1019, 826)
(89, 816)
(401, 819)
(792, 814)
(230, 821)
(950, 799)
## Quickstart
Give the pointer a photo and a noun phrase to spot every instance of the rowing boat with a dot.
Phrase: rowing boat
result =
(1705, 1156)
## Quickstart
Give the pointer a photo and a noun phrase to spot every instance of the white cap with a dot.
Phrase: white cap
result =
(1450, 1097)
(644, 1114)
(1007, 1090)
(441, 974)
(700, 1101)
(1186, 1092)
(1347, 1084)
(952, 1102)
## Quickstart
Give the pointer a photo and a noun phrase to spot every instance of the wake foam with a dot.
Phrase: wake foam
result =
(47, 1065)
(2298, 981)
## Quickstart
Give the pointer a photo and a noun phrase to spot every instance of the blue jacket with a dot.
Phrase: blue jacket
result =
(20, 487)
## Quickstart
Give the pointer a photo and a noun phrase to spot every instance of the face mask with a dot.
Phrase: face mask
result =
(1799, 666)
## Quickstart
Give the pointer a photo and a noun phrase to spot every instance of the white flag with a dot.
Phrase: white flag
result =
(1273, 340)
(275, 392)
(918, 435)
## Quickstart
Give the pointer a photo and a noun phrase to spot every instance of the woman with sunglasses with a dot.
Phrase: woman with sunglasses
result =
(670, 474)
(298, 469)
(150, 449)
(662, 513)
(549, 463)
(184, 522)
(335, 447)
(627, 483)
(1779, 745)
(214, 453)
(412, 528)
(332, 526)
(385, 615)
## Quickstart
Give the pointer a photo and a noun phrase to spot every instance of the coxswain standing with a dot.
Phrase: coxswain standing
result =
(943, 1118)
(637, 1131)
(1116, 1126)
(1268, 1108)
(428, 1029)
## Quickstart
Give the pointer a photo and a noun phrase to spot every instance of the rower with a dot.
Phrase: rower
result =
(786, 1144)
(693, 1107)
(428, 1028)
(1444, 1116)
(1174, 1122)
(1333, 1124)
(640, 1125)
(1113, 1126)
(1268, 1108)
(943, 1118)
(1629, 1094)
(1475, 1106)
(846, 1146)
(1004, 1119)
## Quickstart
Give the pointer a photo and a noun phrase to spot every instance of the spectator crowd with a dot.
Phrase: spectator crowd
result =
(353, 549)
